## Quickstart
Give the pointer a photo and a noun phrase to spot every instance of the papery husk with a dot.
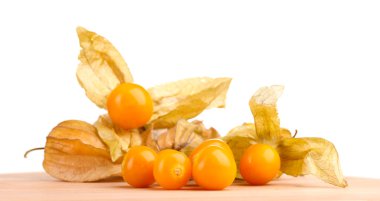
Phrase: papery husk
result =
(101, 67)
(185, 136)
(299, 156)
(74, 152)
(117, 140)
(187, 98)
(310, 155)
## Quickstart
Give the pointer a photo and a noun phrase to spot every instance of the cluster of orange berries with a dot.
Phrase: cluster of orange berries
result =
(211, 165)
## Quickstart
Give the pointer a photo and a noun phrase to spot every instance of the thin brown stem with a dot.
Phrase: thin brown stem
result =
(34, 149)
(295, 133)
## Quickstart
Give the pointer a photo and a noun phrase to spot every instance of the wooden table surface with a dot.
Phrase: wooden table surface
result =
(40, 186)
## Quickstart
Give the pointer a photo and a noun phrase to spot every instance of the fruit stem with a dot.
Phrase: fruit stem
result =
(34, 149)
(295, 133)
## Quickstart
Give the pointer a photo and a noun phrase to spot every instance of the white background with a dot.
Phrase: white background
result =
(326, 53)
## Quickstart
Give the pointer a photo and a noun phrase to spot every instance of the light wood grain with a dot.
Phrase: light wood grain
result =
(39, 186)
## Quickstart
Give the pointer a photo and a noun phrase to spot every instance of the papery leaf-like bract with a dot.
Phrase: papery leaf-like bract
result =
(185, 99)
(316, 156)
(102, 67)
(264, 110)
(118, 140)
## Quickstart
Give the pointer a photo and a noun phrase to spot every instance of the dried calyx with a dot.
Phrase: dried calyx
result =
(299, 156)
